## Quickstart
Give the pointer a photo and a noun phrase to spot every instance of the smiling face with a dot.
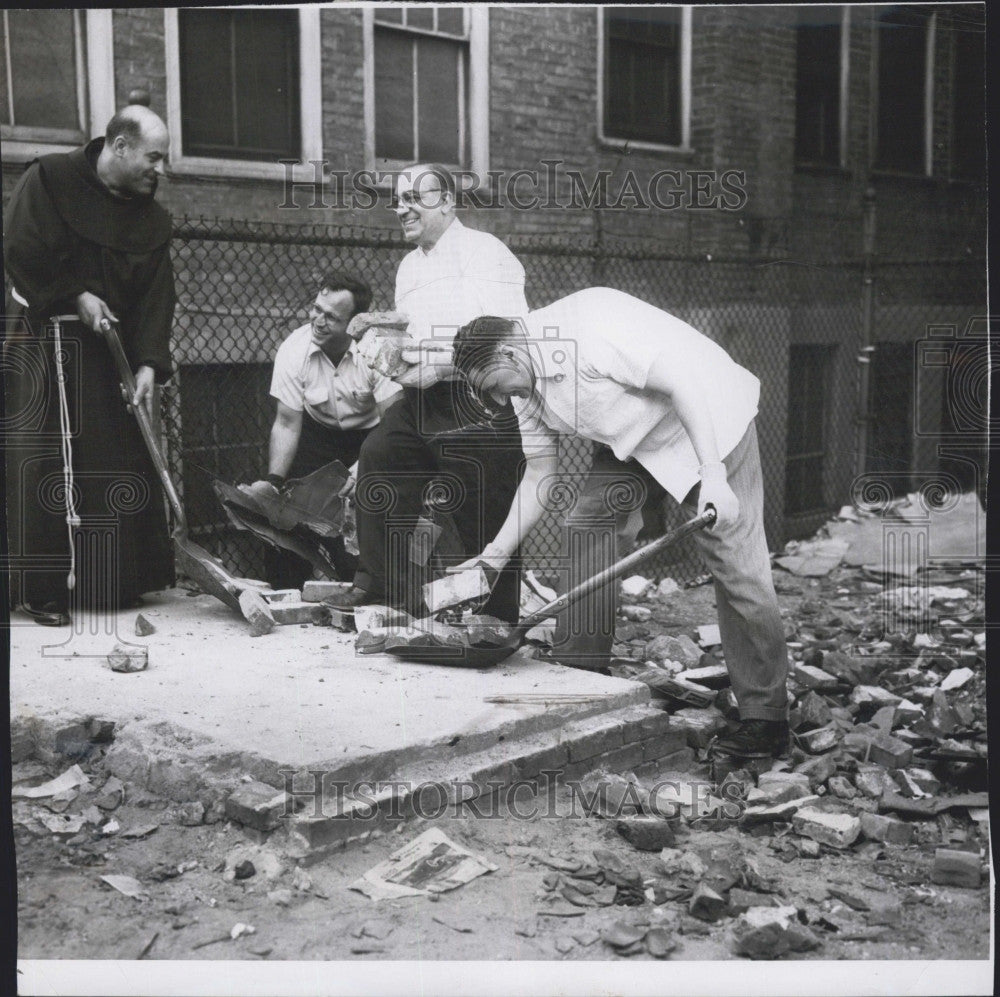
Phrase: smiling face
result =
(424, 208)
(330, 314)
(138, 164)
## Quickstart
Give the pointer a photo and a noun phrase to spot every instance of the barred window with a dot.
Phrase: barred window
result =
(903, 88)
(239, 84)
(421, 57)
(818, 71)
(643, 79)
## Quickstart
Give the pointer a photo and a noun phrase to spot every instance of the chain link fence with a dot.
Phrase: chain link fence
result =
(801, 328)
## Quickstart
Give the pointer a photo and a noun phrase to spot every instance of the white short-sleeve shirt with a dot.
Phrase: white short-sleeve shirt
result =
(341, 396)
(592, 352)
(467, 273)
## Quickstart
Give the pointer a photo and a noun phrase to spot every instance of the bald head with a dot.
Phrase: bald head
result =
(135, 148)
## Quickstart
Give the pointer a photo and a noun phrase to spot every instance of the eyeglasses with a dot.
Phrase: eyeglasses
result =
(408, 199)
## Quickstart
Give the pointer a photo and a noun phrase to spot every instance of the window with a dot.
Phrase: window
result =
(645, 56)
(905, 44)
(808, 376)
(239, 83)
(426, 91)
(243, 90)
(56, 81)
(968, 94)
(820, 81)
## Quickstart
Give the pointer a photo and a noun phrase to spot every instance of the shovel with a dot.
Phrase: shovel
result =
(192, 559)
(435, 651)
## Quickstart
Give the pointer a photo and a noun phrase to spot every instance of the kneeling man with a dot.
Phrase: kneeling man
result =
(669, 411)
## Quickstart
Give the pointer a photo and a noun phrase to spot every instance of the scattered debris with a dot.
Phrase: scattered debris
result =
(455, 926)
(128, 659)
(956, 868)
(148, 947)
(244, 870)
(431, 863)
(128, 885)
(143, 628)
(70, 779)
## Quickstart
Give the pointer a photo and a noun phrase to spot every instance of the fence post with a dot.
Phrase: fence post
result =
(863, 415)
(597, 278)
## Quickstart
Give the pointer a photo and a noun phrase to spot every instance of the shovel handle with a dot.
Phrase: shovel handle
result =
(110, 333)
(707, 518)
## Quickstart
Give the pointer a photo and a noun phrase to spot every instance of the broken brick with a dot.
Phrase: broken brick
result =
(648, 834)
(870, 780)
(779, 787)
(706, 904)
(812, 677)
(143, 628)
(256, 612)
(285, 613)
(317, 591)
(925, 780)
(817, 770)
(257, 805)
(890, 751)
(890, 830)
(742, 900)
(870, 698)
(820, 740)
(956, 868)
(813, 710)
(770, 932)
(835, 829)
(840, 786)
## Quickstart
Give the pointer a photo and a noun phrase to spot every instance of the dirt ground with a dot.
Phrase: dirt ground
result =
(893, 910)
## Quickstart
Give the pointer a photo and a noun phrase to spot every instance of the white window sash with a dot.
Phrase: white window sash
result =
(310, 109)
(95, 95)
(685, 102)
(475, 88)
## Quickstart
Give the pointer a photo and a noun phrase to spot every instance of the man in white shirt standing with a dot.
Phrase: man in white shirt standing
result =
(328, 401)
(452, 275)
(671, 412)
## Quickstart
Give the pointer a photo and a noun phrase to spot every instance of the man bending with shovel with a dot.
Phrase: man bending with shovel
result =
(669, 411)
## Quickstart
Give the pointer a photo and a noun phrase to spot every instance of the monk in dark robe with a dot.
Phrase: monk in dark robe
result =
(84, 240)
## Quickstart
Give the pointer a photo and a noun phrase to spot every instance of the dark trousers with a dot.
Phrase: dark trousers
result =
(430, 441)
(318, 445)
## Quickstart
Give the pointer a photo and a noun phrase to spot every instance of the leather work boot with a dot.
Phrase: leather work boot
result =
(350, 600)
(754, 739)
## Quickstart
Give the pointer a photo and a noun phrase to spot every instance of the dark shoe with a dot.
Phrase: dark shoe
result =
(50, 615)
(351, 599)
(754, 739)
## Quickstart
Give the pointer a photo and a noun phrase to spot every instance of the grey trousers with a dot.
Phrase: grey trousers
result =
(605, 519)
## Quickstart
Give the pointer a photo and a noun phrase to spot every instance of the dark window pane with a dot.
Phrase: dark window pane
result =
(240, 84)
(420, 17)
(451, 20)
(394, 95)
(808, 369)
(817, 86)
(642, 74)
(206, 68)
(389, 15)
(890, 441)
(43, 68)
(267, 83)
(969, 94)
(902, 60)
(438, 100)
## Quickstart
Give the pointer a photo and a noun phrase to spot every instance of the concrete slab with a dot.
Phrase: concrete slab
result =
(299, 697)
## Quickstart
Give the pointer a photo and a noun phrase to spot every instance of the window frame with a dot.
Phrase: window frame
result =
(476, 95)
(930, 42)
(310, 108)
(844, 98)
(685, 92)
(23, 143)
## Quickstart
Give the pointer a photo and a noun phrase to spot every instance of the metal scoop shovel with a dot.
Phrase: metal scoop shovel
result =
(434, 650)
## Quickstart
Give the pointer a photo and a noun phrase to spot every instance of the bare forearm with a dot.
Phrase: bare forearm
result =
(527, 506)
(282, 447)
